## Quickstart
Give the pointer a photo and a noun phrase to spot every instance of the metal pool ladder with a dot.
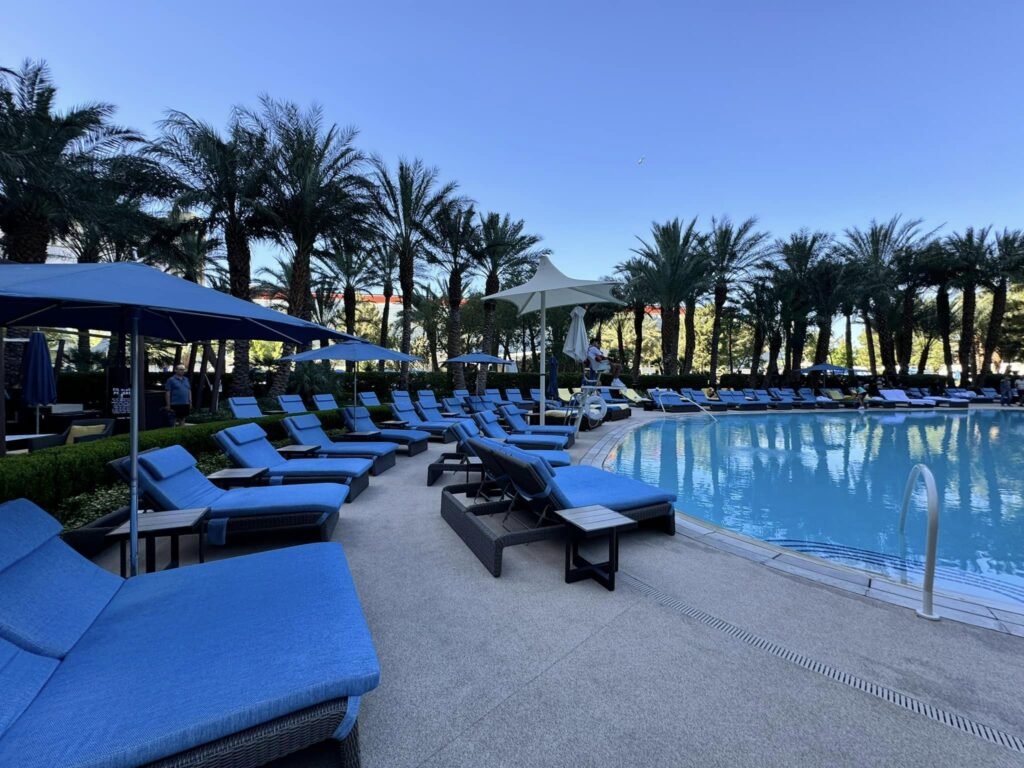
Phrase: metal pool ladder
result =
(926, 611)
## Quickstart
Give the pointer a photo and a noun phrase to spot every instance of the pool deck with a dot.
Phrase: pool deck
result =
(699, 658)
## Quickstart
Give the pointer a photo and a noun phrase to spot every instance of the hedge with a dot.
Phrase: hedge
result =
(49, 476)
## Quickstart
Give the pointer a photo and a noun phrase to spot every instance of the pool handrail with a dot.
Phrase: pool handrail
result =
(927, 610)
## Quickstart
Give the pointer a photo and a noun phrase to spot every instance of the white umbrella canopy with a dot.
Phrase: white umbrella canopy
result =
(576, 340)
(549, 287)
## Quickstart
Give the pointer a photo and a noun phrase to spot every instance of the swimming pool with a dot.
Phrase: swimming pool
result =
(831, 485)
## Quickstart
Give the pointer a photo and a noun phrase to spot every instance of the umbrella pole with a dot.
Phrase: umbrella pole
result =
(355, 385)
(543, 355)
(133, 442)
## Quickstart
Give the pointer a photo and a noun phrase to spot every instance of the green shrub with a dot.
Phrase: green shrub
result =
(53, 476)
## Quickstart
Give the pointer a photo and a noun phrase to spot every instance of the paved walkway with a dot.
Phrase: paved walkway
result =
(700, 657)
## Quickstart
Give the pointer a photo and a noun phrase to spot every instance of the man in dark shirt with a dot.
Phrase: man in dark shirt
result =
(178, 393)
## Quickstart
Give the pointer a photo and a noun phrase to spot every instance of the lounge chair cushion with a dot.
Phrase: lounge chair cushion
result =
(22, 675)
(48, 594)
(293, 614)
(321, 467)
(245, 433)
(582, 486)
(168, 462)
(325, 402)
(325, 498)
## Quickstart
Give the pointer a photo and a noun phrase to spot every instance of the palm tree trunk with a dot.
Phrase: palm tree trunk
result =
(942, 314)
(849, 340)
(721, 293)
(774, 346)
(886, 346)
(798, 342)
(965, 351)
(385, 315)
(923, 361)
(406, 284)
(824, 340)
(456, 370)
(995, 324)
(239, 259)
(756, 351)
(870, 336)
(670, 340)
(905, 333)
(26, 237)
(689, 333)
(299, 288)
(638, 332)
(492, 285)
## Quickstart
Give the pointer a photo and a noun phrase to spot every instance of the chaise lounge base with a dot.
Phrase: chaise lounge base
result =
(453, 462)
(300, 739)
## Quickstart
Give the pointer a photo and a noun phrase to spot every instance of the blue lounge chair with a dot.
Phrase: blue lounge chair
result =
(358, 419)
(789, 396)
(548, 489)
(247, 446)
(489, 426)
(455, 405)
(250, 679)
(369, 400)
(607, 394)
(292, 404)
(949, 402)
(407, 413)
(536, 397)
(244, 407)
(762, 396)
(325, 402)
(427, 397)
(515, 397)
(433, 413)
(737, 402)
(479, 404)
(825, 403)
(987, 395)
(697, 396)
(494, 396)
(900, 397)
(305, 429)
(519, 426)
(460, 393)
(169, 479)
(667, 400)
(467, 460)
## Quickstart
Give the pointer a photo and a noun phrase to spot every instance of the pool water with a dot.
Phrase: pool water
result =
(831, 485)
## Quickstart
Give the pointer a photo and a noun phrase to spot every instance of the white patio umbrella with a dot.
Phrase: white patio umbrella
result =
(576, 343)
(550, 288)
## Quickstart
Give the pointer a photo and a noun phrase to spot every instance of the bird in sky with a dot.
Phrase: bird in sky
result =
(641, 160)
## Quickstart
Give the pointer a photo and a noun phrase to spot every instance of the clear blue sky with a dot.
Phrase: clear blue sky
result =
(804, 113)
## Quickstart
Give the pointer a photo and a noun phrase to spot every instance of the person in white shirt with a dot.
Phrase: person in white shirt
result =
(597, 361)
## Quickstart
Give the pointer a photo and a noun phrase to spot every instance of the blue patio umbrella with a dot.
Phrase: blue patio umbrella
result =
(38, 385)
(826, 368)
(140, 301)
(353, 351)
(477, 357)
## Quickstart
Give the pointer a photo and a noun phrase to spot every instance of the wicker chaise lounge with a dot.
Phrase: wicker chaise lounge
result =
(305, 429)
(489, 426)
(358, 419)
(169, 479)
(516, 422)
(466, 459)
(247, 446)
(241, 662)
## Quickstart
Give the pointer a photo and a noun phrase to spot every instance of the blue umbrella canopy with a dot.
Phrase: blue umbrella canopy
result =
(141, 301)
(353, 351)
(826, 368)
(479, 358)
(106, 296)
(38, 384)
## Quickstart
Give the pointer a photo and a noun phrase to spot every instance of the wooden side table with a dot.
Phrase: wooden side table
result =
(298, 451)
(152, 525)
(588, 522)
(238, 477)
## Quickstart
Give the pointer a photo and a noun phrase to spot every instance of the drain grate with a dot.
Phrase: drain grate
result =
(891, 695)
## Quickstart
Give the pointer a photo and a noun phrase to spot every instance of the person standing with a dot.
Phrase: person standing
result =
(1005, 395)
(178, 395)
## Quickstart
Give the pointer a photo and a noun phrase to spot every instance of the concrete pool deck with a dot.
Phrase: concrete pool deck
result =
(698, 658)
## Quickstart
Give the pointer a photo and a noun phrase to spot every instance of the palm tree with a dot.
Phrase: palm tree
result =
(184, 247)
(878, 248)
(790, 272)
(224, 177)
(761, 304)
(348, 265)
(48, 160)
(730, 251)
(638, 294)
(938, 267)
(456, 240)
(1007, 265)
(825, 280)
(404, 205)
(673, 265)
(502, 252)
(427, 313)
(314, 190)
(971, 253)
(384, 272)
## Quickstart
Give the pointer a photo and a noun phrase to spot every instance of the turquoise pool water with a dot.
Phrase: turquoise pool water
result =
(831, 485)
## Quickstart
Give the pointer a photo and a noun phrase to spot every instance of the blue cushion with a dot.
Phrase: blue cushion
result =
(26, 527)
(321, 467)
(305, 421)
(404, 435)
(212, 649)
(538, 441)
(325, 402)
(357, 448)
(245, 433)
(582, 486)
(291, 403)
(550, 459)
(325, 498)
(244, 407)
(49, 598)
(22, 676)
(167, 462)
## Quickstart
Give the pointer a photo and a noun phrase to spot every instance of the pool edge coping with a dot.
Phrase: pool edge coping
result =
(954, 606)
